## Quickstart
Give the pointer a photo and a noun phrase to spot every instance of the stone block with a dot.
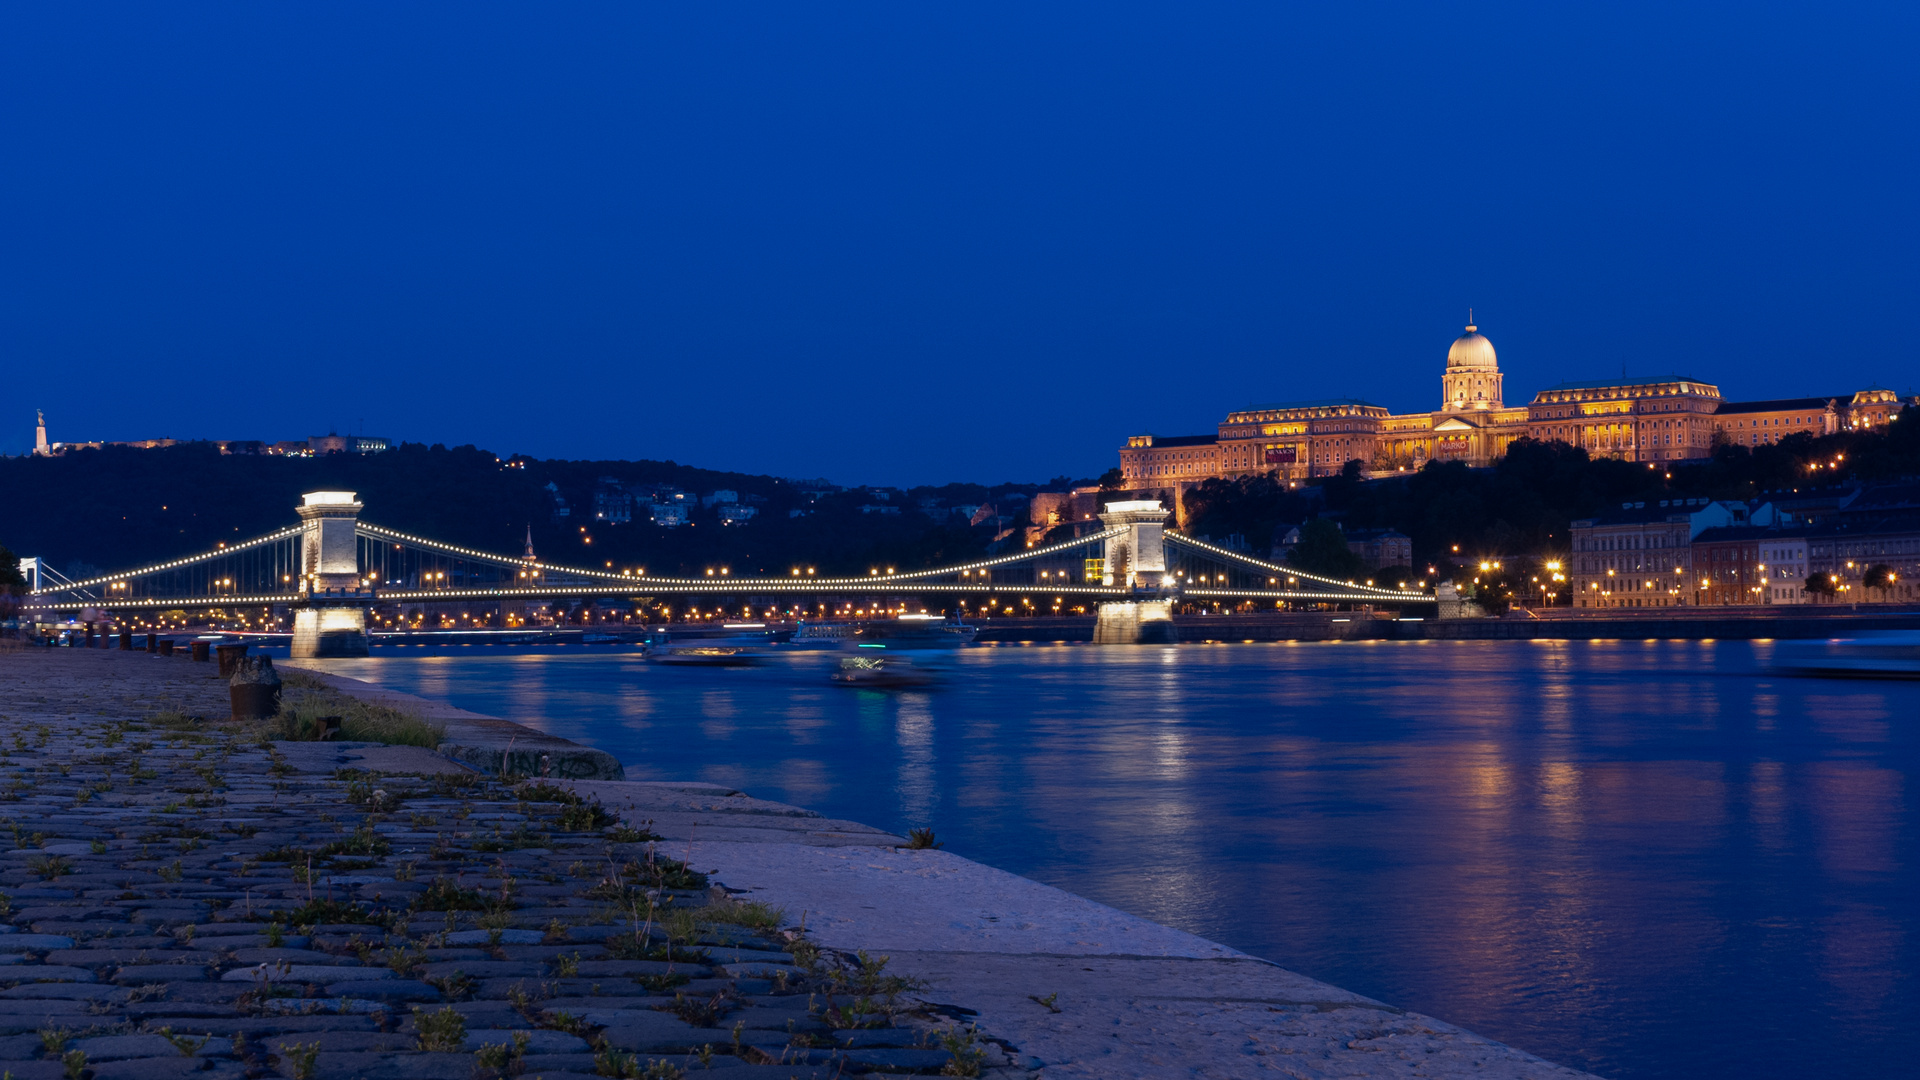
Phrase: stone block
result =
(157, 1068)
(50, 973)
(307, 973)
(358, 1065)
(117, 1047)
(34, 942)
(539, 1041)
(489, 969)
(136, 974)
(386, 990)
(644, 1030)
(507, 937)
(900, 1058)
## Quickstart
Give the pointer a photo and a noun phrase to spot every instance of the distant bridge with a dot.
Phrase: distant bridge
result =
(332, 566)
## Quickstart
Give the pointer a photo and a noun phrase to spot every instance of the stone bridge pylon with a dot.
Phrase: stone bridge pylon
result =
(1136, 558)
(331, 617)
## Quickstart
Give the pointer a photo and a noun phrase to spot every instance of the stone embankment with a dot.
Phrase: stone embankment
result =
(184, 898)
(1690, 624)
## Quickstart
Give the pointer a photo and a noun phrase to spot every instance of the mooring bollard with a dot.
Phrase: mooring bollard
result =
(230, 657)
(153, 643)
(202, 651)
(166, 647)
(126, 640)
(254, 688)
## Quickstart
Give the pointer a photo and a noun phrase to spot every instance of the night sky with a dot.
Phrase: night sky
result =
(908, 243)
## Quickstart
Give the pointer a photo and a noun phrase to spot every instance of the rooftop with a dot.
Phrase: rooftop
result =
(1183, 440)
(1779, 404)
(1317, 403)
(1637, 380)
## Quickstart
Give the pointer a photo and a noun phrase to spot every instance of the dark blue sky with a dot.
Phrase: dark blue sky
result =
(915, 243)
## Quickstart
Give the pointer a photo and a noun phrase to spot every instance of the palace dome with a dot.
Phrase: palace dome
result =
(1471, 352)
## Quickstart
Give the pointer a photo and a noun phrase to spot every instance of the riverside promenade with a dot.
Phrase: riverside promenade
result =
(186, 897)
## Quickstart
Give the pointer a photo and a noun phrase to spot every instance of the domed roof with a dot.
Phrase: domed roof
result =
(1471, 352)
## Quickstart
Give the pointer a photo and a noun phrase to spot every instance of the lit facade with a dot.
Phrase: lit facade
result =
(1649, 418)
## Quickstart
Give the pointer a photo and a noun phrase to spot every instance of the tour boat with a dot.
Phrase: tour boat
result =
(904, 632)
(1874, 654)
(704, 648)
(881, 671)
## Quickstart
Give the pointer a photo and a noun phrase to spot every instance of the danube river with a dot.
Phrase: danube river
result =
(1647, 859)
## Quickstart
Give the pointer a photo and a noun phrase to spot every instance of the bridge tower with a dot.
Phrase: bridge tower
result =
(1136, 559)
(331, 618)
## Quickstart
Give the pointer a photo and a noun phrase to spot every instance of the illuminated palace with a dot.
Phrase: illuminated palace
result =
(1663, 418)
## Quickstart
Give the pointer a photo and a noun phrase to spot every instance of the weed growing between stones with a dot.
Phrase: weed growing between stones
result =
(441, 1032)
(503, 1059)
(967, 1054)
(922, 840)
(300, 1057)
(750, 913)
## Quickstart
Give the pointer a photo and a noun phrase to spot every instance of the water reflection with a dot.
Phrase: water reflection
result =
(1636, 857)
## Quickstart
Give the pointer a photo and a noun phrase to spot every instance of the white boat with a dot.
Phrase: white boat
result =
(905, 632)
(882, 671)
(1875, 654)
(707, 652)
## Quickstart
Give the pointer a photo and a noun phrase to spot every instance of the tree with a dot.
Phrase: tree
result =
(1323, 550)
(1825, 585)
(1111, 479)
(11, 580)
(1879, 576)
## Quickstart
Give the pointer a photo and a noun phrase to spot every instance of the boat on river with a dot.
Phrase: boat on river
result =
(882, 671)
(904, 632)
(1884, 654)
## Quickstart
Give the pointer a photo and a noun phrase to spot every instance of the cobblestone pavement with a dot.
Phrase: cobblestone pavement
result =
(180, 898)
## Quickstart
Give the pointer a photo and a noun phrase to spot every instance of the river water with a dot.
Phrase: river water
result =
(1647, 859)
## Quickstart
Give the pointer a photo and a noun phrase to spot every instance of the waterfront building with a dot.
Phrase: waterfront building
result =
(1641, 555)
(1783, 567)
(1647, 418)
(1730, 568)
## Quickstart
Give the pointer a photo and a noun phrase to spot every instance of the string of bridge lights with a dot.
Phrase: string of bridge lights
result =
(1273, 568)
(1298, 594)
(160, 568)
(628, 578)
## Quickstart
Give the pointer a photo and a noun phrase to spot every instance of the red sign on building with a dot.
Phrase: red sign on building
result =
(1281, 455)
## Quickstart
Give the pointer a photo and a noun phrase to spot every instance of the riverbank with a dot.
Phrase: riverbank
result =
(1072, 987)
(185, 899)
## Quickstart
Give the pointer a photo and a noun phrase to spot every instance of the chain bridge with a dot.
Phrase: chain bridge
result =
(331, 568)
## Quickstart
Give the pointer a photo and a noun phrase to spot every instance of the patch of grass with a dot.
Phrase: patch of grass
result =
(504, 1059)
(444, 894)
(700, 1011)
(586, 817)
(749, 913)
(48, 867)
(362, 841)
(302, 707)
(301, 1058)
(519, 839)
(967, 1055)
(542, 792)
(317, 912)
(442, 1031)
(922, 840)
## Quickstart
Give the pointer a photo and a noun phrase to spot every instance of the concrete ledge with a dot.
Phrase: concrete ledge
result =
(486, 744)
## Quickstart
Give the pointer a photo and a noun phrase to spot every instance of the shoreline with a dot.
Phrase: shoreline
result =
(1134, 998)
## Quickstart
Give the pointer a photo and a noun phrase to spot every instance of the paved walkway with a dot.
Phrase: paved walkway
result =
(182, 899)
